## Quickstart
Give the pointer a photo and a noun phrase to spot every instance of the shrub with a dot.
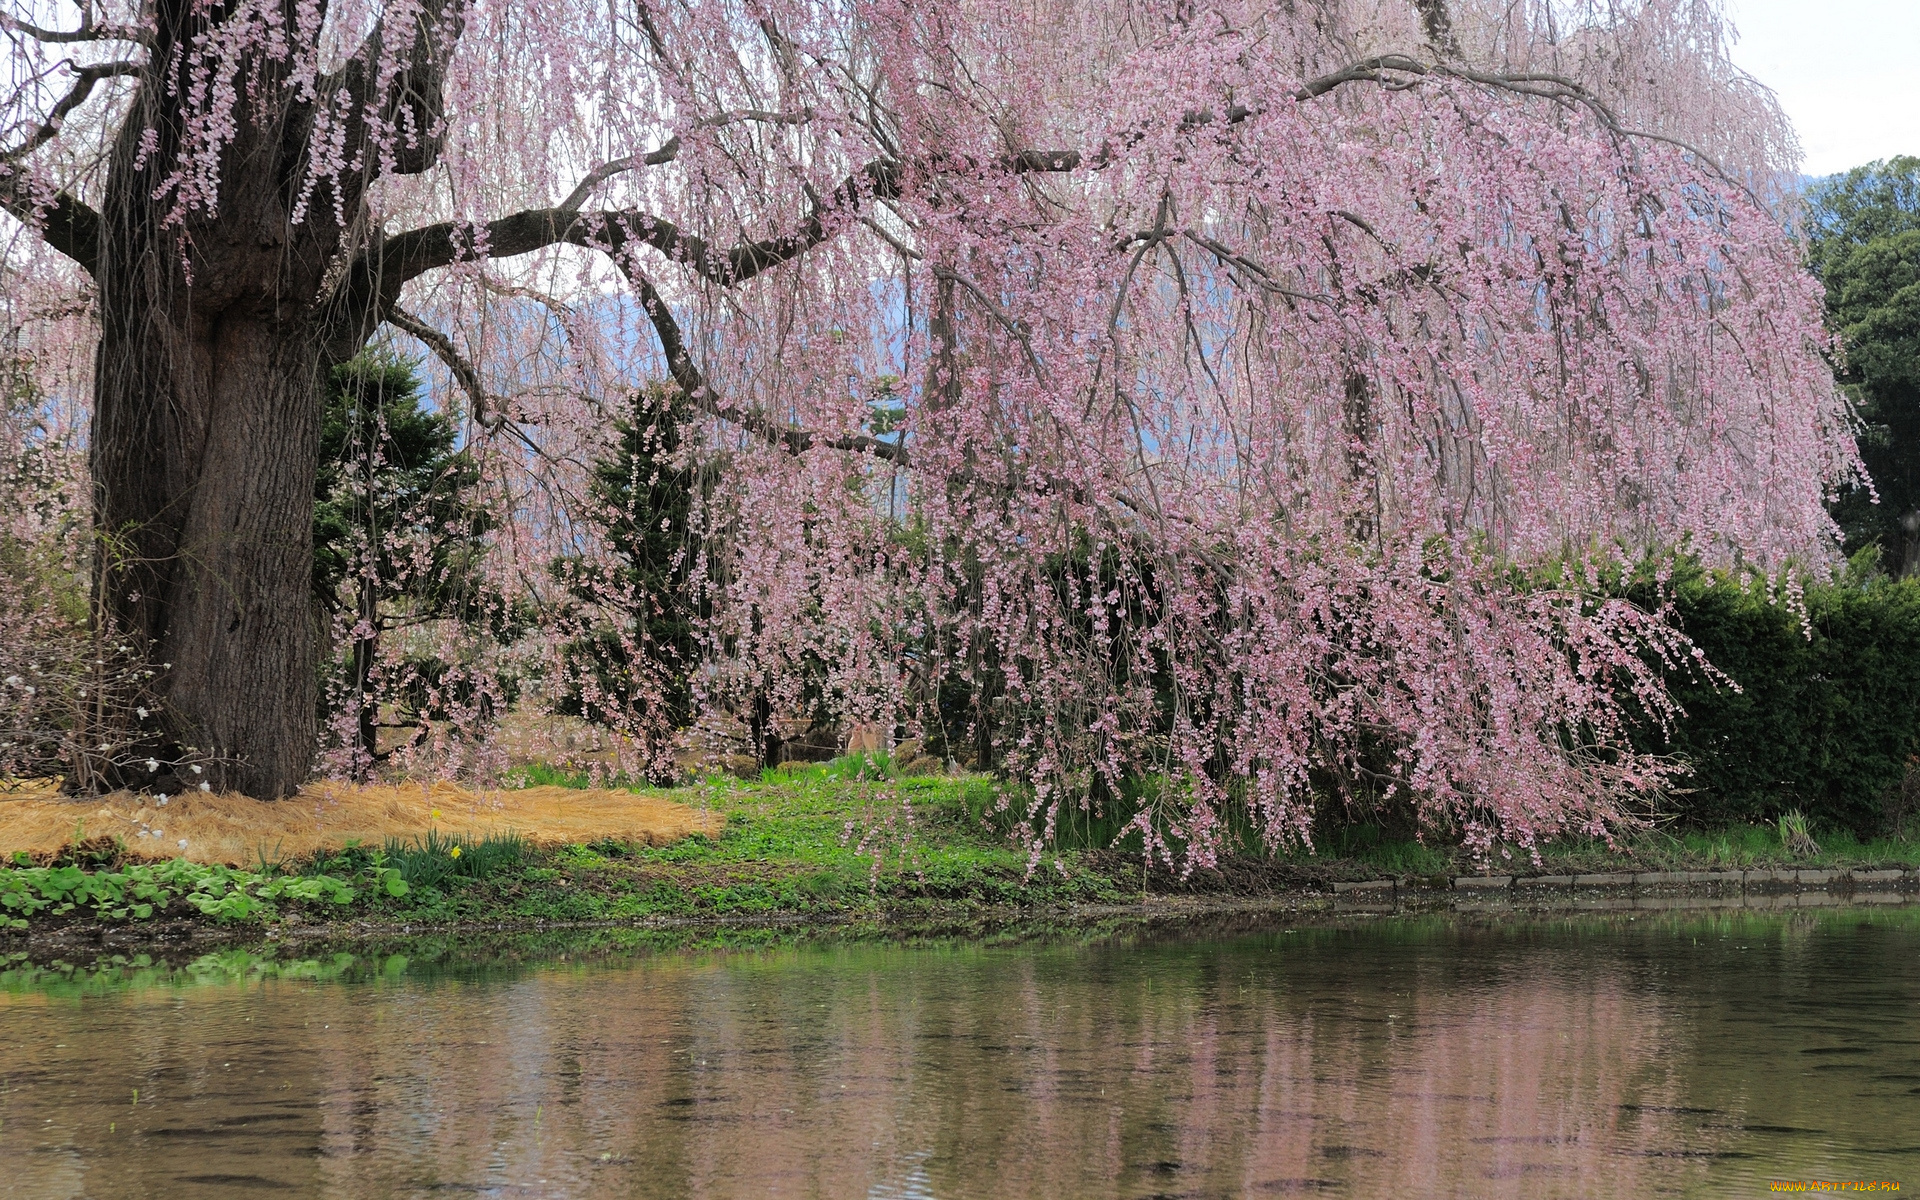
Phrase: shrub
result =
(1827, 717)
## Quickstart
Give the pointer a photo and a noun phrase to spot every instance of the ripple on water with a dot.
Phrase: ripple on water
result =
(1391, 1057)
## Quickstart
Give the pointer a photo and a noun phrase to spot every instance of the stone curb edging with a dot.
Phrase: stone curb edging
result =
(1770, 881)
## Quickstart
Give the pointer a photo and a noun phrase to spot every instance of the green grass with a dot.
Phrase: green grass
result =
(1731, 847)
(548, 775)
(848, 840)
(828, 839)
(1369, 846)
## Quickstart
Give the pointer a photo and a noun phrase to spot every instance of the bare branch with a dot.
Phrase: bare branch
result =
(545, 300)
(443, 348)
(694, 385)
(670, 150)
(67, 224)
(88, 31)
(84, 79)
(614, 232)
(605, 171)
(905, 251)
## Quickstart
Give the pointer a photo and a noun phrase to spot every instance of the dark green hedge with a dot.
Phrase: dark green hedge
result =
(1827, 724)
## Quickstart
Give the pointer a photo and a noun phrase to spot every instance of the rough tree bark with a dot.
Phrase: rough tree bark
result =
(216, 333)
(206, 438)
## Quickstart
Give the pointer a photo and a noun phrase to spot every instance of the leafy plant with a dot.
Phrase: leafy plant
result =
(433, 859)
(1795, 836)
(140, 891)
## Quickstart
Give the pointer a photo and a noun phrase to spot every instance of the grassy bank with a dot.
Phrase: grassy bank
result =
(833, 842)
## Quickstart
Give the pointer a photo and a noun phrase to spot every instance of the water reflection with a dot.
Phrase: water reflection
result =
(1603, 1057)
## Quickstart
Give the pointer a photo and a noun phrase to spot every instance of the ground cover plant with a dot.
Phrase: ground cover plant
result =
(92, 880)
(1089, 392)
(825, 840)
(143, 891)
(849, 840)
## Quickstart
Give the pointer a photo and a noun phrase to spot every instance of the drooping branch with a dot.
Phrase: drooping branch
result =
(410, 101)
(411, 254)
(408, 255)
(494, 419)
(1261, 276)
(1016, 329)
(619, 233)
(701, 393)
(443, 348)
(1397, 71)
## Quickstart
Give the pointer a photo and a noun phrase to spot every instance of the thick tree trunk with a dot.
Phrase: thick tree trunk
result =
(221, 310)
(240, 631)
(206, 442)
(206, 436)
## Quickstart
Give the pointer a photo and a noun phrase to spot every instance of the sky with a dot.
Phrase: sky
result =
(1846, 71)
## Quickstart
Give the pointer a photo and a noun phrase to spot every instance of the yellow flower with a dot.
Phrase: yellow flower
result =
(454, 853)
(435, 814)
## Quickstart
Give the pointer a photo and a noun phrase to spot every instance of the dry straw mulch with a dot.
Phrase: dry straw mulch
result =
(241, 831)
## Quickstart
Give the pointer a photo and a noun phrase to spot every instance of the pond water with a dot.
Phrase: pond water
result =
(1662, 1054)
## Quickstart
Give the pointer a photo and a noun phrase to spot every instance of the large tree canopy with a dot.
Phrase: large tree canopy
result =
(1248, 353)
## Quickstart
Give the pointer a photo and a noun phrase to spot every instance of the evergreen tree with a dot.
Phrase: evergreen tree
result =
(1864, 241)
(396, 531)
(629, 664)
